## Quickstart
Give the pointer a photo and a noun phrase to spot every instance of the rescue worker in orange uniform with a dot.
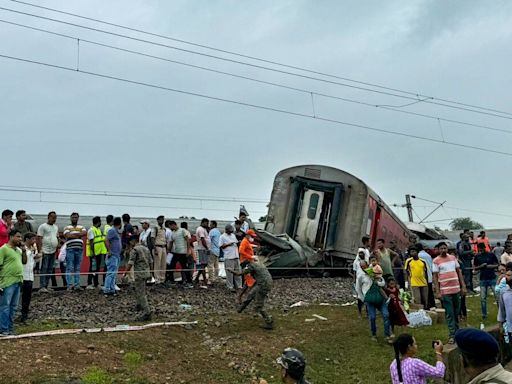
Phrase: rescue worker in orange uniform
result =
(246, 252)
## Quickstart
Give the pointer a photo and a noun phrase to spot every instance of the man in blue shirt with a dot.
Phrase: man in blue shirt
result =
(113, 243)
(486, 263)
(213, 257)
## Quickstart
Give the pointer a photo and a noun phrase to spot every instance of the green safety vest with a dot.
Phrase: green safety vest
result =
(99, 243)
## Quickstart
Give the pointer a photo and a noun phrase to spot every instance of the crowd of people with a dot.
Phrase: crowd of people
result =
(447, 277)
(150, 255)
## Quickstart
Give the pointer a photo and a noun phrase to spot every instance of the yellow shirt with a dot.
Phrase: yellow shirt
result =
(417, 270)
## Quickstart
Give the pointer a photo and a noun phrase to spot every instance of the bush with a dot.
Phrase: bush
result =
(95, 375)
(133, 360)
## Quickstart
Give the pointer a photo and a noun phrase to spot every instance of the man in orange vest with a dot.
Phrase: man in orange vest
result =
(247, 256)
(482, 238)
(474, 243)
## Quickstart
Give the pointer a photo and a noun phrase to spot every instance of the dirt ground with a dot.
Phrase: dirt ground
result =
(225, 347)
(91, 309)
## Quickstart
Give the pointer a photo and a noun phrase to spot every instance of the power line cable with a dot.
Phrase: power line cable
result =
(468, 210)
(255, 58)
(280, 85)
(255, 65)
(129, 195)
(118, 205)
(136, 194)
(256, 106)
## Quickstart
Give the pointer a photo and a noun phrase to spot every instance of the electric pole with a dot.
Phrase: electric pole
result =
(408, 205)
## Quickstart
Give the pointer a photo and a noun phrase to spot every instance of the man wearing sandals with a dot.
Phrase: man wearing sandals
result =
(449, 286)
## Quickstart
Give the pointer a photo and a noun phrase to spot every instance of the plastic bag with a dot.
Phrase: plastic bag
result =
(419, 319)
(62, 254)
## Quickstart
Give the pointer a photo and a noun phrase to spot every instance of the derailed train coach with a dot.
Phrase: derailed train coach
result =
(316, 218)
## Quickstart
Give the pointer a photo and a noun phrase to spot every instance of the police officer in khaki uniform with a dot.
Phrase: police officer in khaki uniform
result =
(140, 261)
(259, 292)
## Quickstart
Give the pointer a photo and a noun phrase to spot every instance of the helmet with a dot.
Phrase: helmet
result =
(293, 361)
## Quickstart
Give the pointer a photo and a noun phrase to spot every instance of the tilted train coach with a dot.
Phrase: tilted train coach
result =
(317, 216)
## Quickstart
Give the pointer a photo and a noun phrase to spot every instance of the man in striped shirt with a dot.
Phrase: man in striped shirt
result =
(448, 285)
(74, 235)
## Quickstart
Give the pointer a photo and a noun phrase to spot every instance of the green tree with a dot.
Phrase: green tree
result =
(263, 219)
(462, 223)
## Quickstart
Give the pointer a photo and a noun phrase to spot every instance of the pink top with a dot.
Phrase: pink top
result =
(4, 233)
(416, 371)
(447, 267)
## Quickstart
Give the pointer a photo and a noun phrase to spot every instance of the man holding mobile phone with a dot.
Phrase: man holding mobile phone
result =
(229, 245)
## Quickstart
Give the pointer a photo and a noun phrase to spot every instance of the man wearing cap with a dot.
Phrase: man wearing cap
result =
(158, 237)
(145, 233)
(480, 353)
(293, 365)
(139, 260)
(246, 250)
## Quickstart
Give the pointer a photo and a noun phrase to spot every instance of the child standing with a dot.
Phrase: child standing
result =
(396, 314)
(28, 274)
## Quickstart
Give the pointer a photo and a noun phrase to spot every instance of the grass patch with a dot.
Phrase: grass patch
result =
(133, 360)
(47, 325)
(95, 375)
(338, 350)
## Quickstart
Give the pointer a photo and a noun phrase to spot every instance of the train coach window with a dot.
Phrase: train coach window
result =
(313, 206)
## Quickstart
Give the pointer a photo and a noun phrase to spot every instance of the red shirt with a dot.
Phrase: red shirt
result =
(4, 233)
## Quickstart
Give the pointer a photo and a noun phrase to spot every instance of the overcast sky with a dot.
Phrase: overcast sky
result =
(70, 130)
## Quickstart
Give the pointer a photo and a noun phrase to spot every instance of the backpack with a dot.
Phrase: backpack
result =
(374, 296)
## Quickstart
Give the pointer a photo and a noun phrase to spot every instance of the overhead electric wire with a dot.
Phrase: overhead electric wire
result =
(469, 210)
(254, 58)
(256, 106)
(142, 195)
(254, 65)
(119, 205)
(279, 85)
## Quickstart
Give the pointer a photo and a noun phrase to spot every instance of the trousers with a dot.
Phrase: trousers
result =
(73, 262)
(140, 295)
(46, 269)
(231, 279)
(8, 304)
(159, 255)
(451, 305)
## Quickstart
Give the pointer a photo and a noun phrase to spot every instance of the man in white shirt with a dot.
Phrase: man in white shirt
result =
(229, 244)
(366, 248)
(244, 226)
(506, 257)
(145, 233)
(47, 242)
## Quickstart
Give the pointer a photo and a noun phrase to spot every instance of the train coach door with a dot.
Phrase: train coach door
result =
(310, 216)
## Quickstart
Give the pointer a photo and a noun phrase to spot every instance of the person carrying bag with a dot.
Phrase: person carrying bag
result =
(369, 291)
